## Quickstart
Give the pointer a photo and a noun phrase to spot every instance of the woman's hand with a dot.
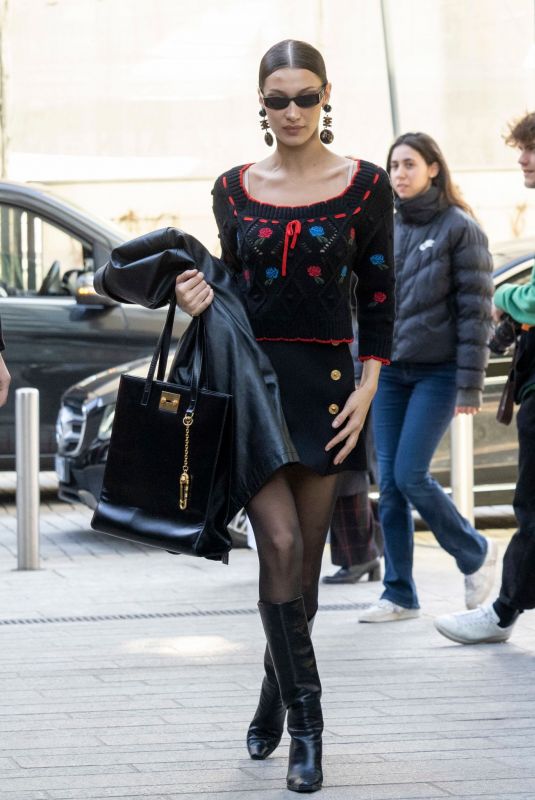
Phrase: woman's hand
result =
(355, 410)
(5, 380)
(466, 410)
(497, 314)
(193, 294)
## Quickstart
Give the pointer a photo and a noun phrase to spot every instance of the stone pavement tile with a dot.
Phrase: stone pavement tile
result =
(127, 780)
(504, 789)
(426, 770)
(370, 792)
(24, 773)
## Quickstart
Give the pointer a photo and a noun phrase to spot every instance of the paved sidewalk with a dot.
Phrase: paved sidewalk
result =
(147, 690)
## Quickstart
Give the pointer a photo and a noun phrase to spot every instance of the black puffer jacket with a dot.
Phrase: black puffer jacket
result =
(443, 291)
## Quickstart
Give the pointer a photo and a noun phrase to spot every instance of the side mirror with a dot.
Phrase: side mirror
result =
(86, 295)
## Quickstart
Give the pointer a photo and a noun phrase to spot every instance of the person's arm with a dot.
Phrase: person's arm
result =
(5, 380)
(518, 301)
(193, 293)
(226, 224)
(472, 279)
(144, 269)
(374, 268)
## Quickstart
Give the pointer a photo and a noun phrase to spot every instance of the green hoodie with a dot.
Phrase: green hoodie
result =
(518, 301)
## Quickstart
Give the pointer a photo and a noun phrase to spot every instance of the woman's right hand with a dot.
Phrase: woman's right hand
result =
(193, 294)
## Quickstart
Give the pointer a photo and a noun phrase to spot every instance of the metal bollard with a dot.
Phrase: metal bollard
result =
(28, 497)
(462, 464)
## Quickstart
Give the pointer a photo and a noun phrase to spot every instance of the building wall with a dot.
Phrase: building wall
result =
(132, 109)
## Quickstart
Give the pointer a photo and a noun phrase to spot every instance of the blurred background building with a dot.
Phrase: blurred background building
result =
(131, 109)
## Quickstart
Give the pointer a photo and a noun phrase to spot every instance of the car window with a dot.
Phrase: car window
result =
(521, 273)
(37, 258)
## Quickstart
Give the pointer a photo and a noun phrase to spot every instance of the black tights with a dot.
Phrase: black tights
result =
(290, 516)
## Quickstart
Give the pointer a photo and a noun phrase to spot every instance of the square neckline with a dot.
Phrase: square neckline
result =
(355, 167)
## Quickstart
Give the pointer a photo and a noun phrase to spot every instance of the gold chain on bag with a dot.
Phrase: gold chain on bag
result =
(184, 482)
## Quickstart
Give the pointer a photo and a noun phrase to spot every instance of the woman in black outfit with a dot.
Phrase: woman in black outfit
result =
(443, 322)
(293, 229)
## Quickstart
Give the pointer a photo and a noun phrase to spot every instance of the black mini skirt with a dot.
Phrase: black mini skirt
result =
(315, 381)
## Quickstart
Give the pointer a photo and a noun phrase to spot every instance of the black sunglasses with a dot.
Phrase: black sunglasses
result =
(277, 103)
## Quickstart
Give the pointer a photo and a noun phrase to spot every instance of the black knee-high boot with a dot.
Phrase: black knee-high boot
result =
(267, 725)
(294, 662)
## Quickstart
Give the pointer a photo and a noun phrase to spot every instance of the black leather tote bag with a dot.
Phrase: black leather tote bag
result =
(166, 481)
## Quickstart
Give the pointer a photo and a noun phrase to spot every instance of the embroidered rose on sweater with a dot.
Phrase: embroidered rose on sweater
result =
(351, 240)
(378, 260)
(318, 232)
(378, 298)
(263, 235)
(315, 272)
(272, 273)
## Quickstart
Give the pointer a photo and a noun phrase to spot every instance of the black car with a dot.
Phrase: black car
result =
(57, 330)
(86, 415)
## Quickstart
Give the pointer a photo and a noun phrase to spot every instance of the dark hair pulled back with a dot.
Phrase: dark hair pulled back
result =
(292, 54)
(431, 153)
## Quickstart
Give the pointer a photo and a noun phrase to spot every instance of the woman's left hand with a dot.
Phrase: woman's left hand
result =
(466, 410)
(354, 415)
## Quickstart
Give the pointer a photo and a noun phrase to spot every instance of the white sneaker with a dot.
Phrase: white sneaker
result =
(478, 585)
(473, 627)
(385, 611)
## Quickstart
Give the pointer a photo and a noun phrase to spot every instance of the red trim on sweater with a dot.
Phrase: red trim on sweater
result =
(297, 339)
(384, 361)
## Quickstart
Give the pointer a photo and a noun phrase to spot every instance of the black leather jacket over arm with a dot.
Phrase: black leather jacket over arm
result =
(144, 271)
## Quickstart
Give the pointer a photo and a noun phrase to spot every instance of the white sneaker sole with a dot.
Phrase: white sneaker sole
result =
(455, 637)
(409, 613)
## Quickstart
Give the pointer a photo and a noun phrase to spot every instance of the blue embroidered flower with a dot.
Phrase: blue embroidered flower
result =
(343, 275)
(318, 232)
(272, 273)
(377, 259)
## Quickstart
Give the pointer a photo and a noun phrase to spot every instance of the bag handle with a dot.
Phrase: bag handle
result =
(161, 354)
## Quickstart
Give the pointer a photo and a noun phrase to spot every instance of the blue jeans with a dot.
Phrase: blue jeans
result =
(412, 409)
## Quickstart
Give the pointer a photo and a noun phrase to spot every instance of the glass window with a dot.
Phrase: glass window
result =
(37, 257)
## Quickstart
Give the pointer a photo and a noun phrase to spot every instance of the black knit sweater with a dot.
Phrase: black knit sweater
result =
(294, 263)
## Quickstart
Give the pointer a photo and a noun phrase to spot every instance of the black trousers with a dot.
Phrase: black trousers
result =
(518, 577)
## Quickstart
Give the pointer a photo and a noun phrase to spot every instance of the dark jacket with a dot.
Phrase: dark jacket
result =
(444, 291)
(144, 271)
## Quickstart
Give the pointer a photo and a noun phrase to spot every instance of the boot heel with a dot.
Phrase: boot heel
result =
(375, 573)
